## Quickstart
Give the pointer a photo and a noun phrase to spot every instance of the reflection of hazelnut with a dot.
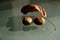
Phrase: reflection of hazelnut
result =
(27, 20)
(39, 20)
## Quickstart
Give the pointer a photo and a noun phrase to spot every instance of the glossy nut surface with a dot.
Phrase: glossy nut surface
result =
(39, 20)
(27, 20)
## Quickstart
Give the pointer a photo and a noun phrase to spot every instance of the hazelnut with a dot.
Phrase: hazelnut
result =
(39, 20)
(27, 20)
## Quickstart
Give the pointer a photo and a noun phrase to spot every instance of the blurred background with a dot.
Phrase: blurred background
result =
(11, 23)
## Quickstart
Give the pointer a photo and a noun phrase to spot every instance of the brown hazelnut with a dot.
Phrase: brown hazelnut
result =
(39, 20)
(27, 20)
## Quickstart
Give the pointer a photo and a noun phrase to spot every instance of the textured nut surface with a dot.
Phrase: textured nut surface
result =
(33, 7)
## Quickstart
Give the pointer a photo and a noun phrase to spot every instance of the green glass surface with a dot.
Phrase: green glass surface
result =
(11, 27)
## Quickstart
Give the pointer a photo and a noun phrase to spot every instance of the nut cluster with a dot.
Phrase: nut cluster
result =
(31, 8)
